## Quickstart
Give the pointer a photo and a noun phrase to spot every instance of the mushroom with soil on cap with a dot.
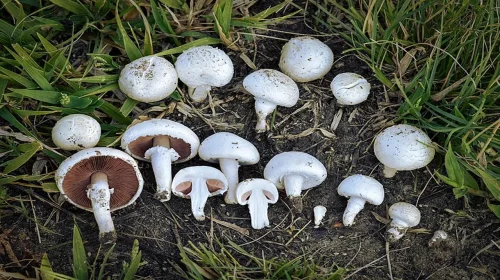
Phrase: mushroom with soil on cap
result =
(162, 142)
(148, 79)
(230, 151)
(202, 68)
(100, 180)
(198, 183)
(350, 88)
(257, 194)
(360, 189)
(404, 216)
(305, 59)
(270, 88)
(76, 132)
(403, 147)
(295, 172)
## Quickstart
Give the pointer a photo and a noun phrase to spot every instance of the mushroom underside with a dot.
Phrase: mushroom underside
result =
(140, 145)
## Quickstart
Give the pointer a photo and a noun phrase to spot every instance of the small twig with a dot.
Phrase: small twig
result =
(295, 235)
(36, 221)
(372, 263)
(388, 259)
(359, 249)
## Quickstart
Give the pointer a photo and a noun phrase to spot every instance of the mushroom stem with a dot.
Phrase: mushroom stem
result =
(293, 189)
(354, 206)
(257, 204)
(100, 195)
(161, 156)
(200, 93)
(199, 195)
(395, 231)
(389, 172)
(263, 108)
(230, 169)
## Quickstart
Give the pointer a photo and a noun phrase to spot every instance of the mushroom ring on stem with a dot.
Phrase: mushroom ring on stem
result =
(360, 189)
(295, 172)
(350, 88)
(100, 180)
(198, 183)
(162, 142)
(230, 151)
(403, 216)
(76, 132)
(257, 193)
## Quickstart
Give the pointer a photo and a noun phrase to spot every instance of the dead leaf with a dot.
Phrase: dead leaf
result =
(231, 226)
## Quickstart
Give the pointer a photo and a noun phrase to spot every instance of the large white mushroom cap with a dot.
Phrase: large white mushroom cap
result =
(404, 215)
(272, 86)
(76, 132)
(230, 146)
(362, 186)
(306, 59)
(350, 88)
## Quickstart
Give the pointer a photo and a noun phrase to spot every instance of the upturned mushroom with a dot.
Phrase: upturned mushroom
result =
(295, 172)
(403, 147)
(305, 59)
(76, 132)
(319, 214)
(198, 183)
(360, 189)
(162, 142)
(350, 88)
(270, 88)
(404, 216)
(100, 180)
(202, 68)
(257, 194)
(148, 79)
(230, 151)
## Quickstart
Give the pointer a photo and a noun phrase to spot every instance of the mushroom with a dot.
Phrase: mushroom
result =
(148, 79)
(270, 88)
(360, 189)
(230, 151)
(198, 183)
(319, 214)
(438, 237)
(100, 180)
(403, 147)
(350, 88)
(257, 193)
(294, 172)
(162, 142)
(305, 59)
(76, 132)
(404, 216)
(202, 68)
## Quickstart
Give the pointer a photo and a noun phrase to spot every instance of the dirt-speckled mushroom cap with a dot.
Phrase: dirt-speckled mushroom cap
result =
(76, 132)
(295, 163)
(214, 179)
(405, 214)
(139, 138)
(230, 146)
(350, 88)
(362, 186)
(272, 86)
(403, 147)
(74, 174)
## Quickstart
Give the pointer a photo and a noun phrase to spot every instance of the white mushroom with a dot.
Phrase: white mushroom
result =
(230, 151)
(162, 142)
(305, 59)
(295, 172)
(319, 214)
(350, 88)
(202, 68)
(403, 147)
(257, 193)
(148, 79)
(404, 216)
(198, 183)
(76, 132)
(438, 237)
(360, 189)
(270, 88)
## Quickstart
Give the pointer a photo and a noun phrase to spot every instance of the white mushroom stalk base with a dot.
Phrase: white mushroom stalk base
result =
(100, 195)
(389, 172)
(293, 188)
(263, 109)
(200, 93)
(199, 195)
(230, 169)
(395, 231)
(257, 204)
(354, 206)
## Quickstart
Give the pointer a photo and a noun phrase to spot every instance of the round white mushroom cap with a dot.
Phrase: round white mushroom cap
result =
(404, 214)
(364, 187)
(350, 88)
(306, 59)
(230, 146)
(272, 86)
(148, 79)
(76, 132)
(403, 147)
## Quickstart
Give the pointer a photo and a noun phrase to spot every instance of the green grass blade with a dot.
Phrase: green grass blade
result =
(6, 115)
(131, 49)
(36, 73)
(196, 43)
(51, 97)
(80, 265)
(97, 79)
(114, 113)
(162, 21)
(29, 150)
(128, 106)
(73, 6)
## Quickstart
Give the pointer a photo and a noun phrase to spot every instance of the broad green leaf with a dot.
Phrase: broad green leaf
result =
(495, 208)
(134, 263)
(30, 150)
(73, 6)
(45, 267)
(176, 95)
(131, 49)
(453, 169)
(492, 183)
(50, 187)
(18, 79)
(14, 10)
(114, 113)
(96, 90)
(75, 102)
(196, 43)
(51, 97)
(80, 269)
(6, 115)
(28, 113)
(128, 106)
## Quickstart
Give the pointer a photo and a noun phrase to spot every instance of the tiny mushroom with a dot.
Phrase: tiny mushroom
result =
(360, 189)
(438, 237)
(76, 132)
(294, 172)
(230, 151)
(319, 214)
(162, 142)
(198, 183)
(403, 147)
(350, 88)
(270, 88)
(148, 79)
(404, 216)
(305, 59)
(202, 68)
(100, 180)
(257, 193)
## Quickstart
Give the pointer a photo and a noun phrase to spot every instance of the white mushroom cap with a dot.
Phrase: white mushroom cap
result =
(350, 88)
(364, 187)
(403, 147)
(404, 216)
(257, 194)
(228, 145)
(76, 132)
(306, 59)
(272, 86)
(148, 79)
